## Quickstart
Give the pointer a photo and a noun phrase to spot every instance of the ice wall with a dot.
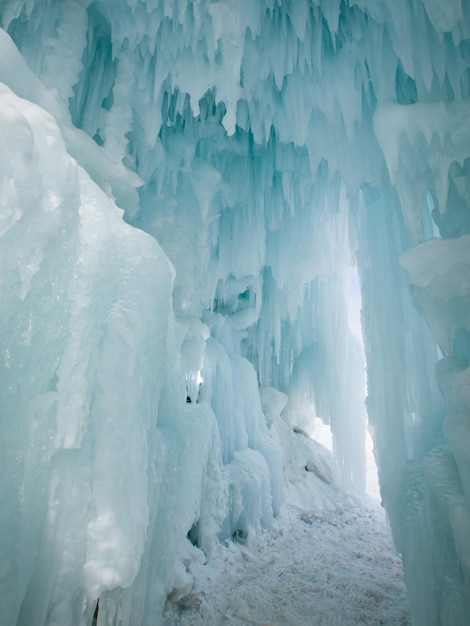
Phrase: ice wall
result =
(267, 147)
(85, 323)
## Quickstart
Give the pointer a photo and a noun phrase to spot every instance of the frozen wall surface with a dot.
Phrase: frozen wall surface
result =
(187, 190)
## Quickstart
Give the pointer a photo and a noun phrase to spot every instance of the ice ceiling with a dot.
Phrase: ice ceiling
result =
(186, 188)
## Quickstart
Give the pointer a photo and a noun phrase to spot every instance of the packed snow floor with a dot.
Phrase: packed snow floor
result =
(322, 568)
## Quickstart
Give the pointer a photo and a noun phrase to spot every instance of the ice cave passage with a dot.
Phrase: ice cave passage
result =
(221, 221)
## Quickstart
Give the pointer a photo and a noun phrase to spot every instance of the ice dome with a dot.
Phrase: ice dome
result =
(220, 222)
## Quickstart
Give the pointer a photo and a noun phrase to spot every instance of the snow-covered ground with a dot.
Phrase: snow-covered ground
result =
(316, 568)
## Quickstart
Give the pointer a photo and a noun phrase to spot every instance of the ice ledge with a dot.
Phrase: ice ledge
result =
(113, 177)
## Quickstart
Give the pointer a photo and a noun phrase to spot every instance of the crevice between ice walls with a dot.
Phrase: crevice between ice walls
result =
(257, 133)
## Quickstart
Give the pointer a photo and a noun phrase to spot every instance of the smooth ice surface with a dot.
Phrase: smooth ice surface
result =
(196, 200)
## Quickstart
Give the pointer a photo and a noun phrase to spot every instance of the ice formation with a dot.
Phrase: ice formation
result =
(186, 187)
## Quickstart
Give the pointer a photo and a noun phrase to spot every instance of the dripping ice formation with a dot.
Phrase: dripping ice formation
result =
(186, 188)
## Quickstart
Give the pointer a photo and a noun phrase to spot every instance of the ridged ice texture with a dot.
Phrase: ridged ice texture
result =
(266, 146)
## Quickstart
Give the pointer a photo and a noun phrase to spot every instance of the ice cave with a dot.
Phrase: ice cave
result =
(226, 226)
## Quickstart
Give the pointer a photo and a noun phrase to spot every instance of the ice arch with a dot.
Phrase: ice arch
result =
(266, 147)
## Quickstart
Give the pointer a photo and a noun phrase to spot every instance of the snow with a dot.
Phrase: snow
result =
(324, 567)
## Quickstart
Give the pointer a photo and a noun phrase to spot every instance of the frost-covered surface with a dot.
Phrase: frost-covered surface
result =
(258, 150)
(333, 567)
(329, 560)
